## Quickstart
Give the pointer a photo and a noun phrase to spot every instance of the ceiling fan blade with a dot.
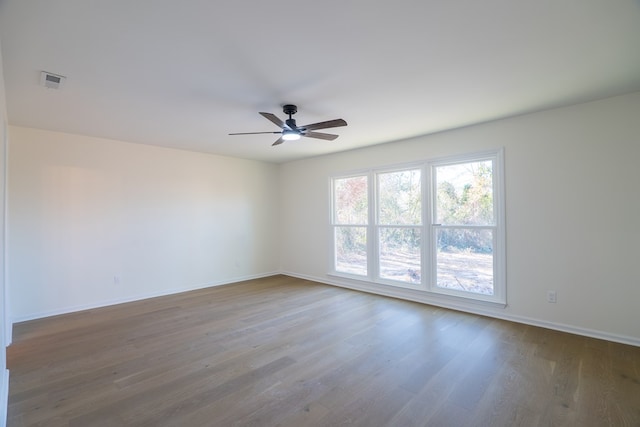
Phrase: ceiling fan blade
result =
(252, 133)
(320, 135)
(278, 142)
(274, 119)
(324, 125)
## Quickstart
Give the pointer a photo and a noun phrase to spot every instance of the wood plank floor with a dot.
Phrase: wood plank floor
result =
(282, 351)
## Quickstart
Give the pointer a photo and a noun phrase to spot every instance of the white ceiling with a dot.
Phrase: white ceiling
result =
(186, 73)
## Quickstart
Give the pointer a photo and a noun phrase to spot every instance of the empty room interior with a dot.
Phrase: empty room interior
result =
(413, 213)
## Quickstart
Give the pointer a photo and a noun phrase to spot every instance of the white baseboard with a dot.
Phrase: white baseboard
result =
(72, 309)
(466, 306)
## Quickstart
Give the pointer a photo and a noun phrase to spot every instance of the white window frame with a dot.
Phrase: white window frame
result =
(429, 227)
(335, 225)
(498, 227)
(376, 226)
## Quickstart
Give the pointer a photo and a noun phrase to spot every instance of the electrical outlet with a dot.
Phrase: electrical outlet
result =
(116, 280)
(552, 297)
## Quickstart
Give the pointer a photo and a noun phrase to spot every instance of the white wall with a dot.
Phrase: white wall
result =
(85, 210)
(5, 324)
(573, 213)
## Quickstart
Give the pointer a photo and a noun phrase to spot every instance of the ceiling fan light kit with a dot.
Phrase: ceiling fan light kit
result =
(290, 131)
(290, 136)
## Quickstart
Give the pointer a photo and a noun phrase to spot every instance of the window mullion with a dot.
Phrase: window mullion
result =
(372, 229)
(427, 215)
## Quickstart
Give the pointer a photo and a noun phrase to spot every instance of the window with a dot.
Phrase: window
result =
(350, 219)
(399, 225)
(436, 227)
(464, 226)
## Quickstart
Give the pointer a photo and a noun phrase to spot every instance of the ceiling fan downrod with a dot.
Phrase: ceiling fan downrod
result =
(290, 110)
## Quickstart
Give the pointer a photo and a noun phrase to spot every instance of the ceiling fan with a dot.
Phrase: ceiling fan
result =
(291, 132)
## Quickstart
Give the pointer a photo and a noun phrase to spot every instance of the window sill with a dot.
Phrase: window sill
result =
(413, 293)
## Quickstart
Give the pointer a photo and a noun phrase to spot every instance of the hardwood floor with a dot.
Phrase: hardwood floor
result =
(282, 351)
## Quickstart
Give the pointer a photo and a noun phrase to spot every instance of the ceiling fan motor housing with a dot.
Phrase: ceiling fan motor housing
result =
(292, 124)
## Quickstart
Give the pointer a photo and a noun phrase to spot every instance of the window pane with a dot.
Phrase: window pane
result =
(465, 194)
(399, 198)
(351, 200)
(400, 254)
(465, 260)
(351, 250)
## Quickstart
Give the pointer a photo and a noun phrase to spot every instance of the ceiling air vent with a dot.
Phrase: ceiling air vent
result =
(51, 81)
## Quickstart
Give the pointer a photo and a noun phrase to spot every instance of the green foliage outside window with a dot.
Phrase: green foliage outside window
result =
(465, 198)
